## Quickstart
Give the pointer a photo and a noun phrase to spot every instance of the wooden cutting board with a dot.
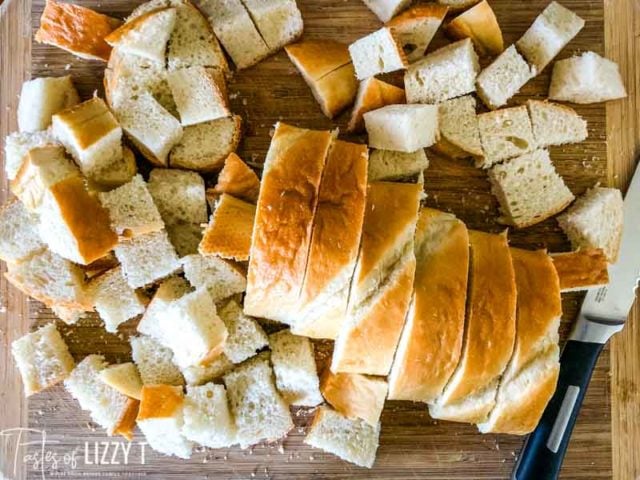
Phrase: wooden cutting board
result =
(412, 444)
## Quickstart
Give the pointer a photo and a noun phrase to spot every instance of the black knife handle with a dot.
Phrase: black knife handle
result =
(544, 450)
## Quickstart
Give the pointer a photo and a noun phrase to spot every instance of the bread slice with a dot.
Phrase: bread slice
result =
(386, 9)
(43, 97)
(108, 407)
(169, 290)
(220, 277)
(259, 410)
(207, 419)
(280, 244)
(448, 72)
(378, 52)
(43, 359)
(179, 195)
(551, 31)
(355, 396)
(205, 146)
(501, 80)
(18, 144)
(76, 29)
(403, 128)
(124, 377)
(352, 440)
(147, 258)
(505, 134)
(390, 165)
(529, 189)
(480, 24)
(279, 21)
(555, 124)
(214, 370)
(474, 408)
(185, 237)
(114, 300)
(326, 67)
(236, 31)
(154, 362)
(458, 125)
(431, 342)
(416, 27)
(456, 5)
(19, 227)
(587, 78)
(238, 180)
(200, 94)
(228, 234)
(295, 368)
(114, 174)
(581, 269)
(335, 240)
(382, 283)
(372, 95)
(161, 419)
(245, 337)
(595, 220)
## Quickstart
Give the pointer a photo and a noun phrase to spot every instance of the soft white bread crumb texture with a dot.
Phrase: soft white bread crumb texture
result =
(207, 419)
(378, 52)
(19, 236)
(391, 165)
(41, 98)
(403, 128)
(154, 362)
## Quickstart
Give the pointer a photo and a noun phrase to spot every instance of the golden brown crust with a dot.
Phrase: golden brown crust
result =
(88, 121)
(115, 37)
(373, 94)
(100, 265)
(127, 421)
(317, 58)
(480, 25)
(581, 269)
(458, 5)
(160, 401)
(237, 179)
(76, 29)
(336, 91)
(418, 12)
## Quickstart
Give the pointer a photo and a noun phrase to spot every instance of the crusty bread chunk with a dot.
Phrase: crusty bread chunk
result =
(403, 128)
(169, 290)
(237, 179)
(259, 410)
(19, 237)
(228, 234)
(69, 315)
(456, 5)
(214, 370)
(501, 80)
(587, 78)
(124, 377)
(43, 97)
(354, 395)
(555, 124)
(279, 21)
(505, 133)
(416, 27)
(458, 125)
(179, 195)
(114, 174)
(389, 165)
(207, 419)
(378, 52)
(581, 269)
(551, 31)
(596, 221)
(76, 29)
(446, 73)
(42, 358)
(114, 300)
(246, 336)
(185, 237)
(220, 277)
(154, 362)
(386, 9)
(480, 24)
(18, 144)
(352, 440)
(372, 95)
(529, 189)
(200, 94)
(205, 146)
(161, 419)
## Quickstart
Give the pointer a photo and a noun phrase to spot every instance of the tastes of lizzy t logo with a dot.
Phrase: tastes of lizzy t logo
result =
(53, 462)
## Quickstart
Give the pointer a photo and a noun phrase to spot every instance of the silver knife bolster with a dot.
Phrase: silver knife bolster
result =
(592, 331)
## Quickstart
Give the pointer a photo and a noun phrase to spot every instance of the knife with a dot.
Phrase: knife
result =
(603, 313)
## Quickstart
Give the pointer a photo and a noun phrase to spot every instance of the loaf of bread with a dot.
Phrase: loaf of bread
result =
(354, 395)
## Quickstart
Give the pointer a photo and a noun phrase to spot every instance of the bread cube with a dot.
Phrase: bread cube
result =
(20, 237)
(169, 290)
(207, 420)
(372, 95)
(214, 370)
(393, 166)
(505, 133)
(114, 174)
(581, 269)
(200, 94)
(279, 21)
(404, 128)
(354, 395)
(69, 315)
(415, 28)
(378, 52)
(124, 377)
(555, 124)
(154, 362)
(480, 24)
(185, 237)
(215, 274)
(18, 144)
(385, 10)
(179, 195)
(246, 336)
(238, 180)
(43, 97)
(459, 133)
(229, 232)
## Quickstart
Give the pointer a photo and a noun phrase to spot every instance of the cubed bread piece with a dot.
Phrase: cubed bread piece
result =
(403, 128)
(238, 180)
(18, 144)
(352, 440)
(555, 124)
(505, 133)
(586, 78)
(124, 377)
(161, 419)
(596, 221)
(147, 258)
(529, 189)
(179, 195)
(295, 368)
(185, 237)
(458, 125)
(582, 269)
(114, 300)
(114, 174)
(228, 234)
(220, 277)
(43, 97)
(169, 290)
(392, 166)
(386, 9)
(446, 73)
(146, 35)
(551, 31)
(378, 52)
(372, 95)
(480, 24)
(214, 370)
(245, 338)
(504, 78)
(354, 395)
(205, 146)
(154, 362)
(416, 27)
(200, 94)
(456, 5)
(76, 29)
(69, 315)
(207, 420)
(279, 21)
(19, 236)
(259, 410)
(42, 358)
